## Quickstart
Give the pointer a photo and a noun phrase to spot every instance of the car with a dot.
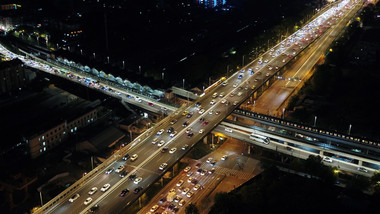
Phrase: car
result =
(198, 165)
(162, 166)
(228, 130)
(126, 157)
(137, 190)
(190, 179)
(189, 174)
(202, 119)
(154, 208)
(134, 157)
(217, 112)
(223, 101)
(93, 190)
(189, 115)
(201, 131)
(162, 142)
(189, 194)
(235, 103)
(105, 187)
(180, 182)
(209, 160)
(185, 191)
(184, 147)
(172, 190)
(93, 209)
(240, 76)
(155, 140)
(109, 171)
(205, 123)
(123, 192)
(163, 150)
(327, 159)
(190, 135)
(177, 198)
(162, 200)
(266, 60)
(362, 169)
(199, 171)
(137, 180)
(151, 104)
(173, 134)
(211, 171)
(215, 95)
(160, 132)
(267, 75)
(173, 121)
(212, 102)
(119, 169)
(201, 111)
(123, 174)
(235, 85)
(184, 113)
(225, 83)
(74, 197)
(187, 122)
(197, 104)
(224, 157)
(187, 169)
(232, 94)
(132, 177)
(240, 93)
(170, 130)
(87, 201)
(196, 187)
(181, 202)
(203, 172)
(221, 94)
(188, 130)
(172, 150)
(213, 162)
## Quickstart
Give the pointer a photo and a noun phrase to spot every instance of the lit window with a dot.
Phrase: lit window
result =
(75, 128)
(64, 132)
(43, 143)
(44, 148)
(43, 137)
(88, 121)
(40, 150)
(72, 130)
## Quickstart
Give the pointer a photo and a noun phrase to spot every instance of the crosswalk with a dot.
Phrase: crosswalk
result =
(232, 172)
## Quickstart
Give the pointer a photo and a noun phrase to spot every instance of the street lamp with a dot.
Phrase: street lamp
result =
(315, 120)
(93, 54)
(183, 83)
(242, 63)
(123, 64)
(108, 59)
(283, 113)
(349, 129)
(228, 68)
(81, 52)
(162, 75)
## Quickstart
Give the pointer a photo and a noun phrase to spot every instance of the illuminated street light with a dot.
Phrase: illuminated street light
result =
(183, 83)
(315, 120)
(94, 54)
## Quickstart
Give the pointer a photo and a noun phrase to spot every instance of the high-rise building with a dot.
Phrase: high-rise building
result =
(12, 76)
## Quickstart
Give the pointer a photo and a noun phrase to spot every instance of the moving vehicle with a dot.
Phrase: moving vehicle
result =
(123, 192)
(162, 166)
(93, 190)
(134, 157)
(105, 187)
(119, 169)
(87, 201)
(259, 138)
(74, 197)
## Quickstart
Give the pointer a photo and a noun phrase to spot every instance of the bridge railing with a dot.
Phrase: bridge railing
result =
(307, 128)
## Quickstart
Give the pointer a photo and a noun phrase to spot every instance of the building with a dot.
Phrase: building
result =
(35, 123)
(212, 3)
(12, 76)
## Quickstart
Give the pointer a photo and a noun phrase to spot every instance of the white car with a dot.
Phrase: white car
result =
(137, 180)
(235, 103)
(93, 190)
(121, 167)
(196, 187)
(162, 166)
(201, 111)
(201, 131)
(211, 112)
(212, 102)
(235, 85)
(134, 157)
(221, 94)
(172, 150)
(161, 143)
(155, 140)
(173, 134)
(188, 168)
(224, 157)
(224, 101)
(154, 208)
(160, 132)
(189, 194)
(215, 95)
(240, 93)
(105, 187)
(327, 159)
(209, 160)
(181, 203)
(186, 190)
(87, 201)
(74, 197)
(225, 83)
(180, 182)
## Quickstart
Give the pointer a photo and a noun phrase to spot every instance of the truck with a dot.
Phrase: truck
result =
(170, 196)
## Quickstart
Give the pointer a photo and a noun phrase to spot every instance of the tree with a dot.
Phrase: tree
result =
(192, 209)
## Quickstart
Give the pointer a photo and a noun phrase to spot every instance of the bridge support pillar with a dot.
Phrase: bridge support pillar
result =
(321, 153)
(360, 163)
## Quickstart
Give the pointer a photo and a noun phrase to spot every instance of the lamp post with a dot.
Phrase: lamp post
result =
(123, 64)
(93, 54)
(162, 75)
(315, 120)
(42, 203)
(283, 113)
(183, 83)
(81, 52)
(228, 68)
(242, 62)
(108, 59)
(349, 129)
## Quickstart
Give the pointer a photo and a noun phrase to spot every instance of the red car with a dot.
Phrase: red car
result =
(151, 104)
(205, 123)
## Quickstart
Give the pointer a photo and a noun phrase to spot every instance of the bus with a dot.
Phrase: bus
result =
(259, 138)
